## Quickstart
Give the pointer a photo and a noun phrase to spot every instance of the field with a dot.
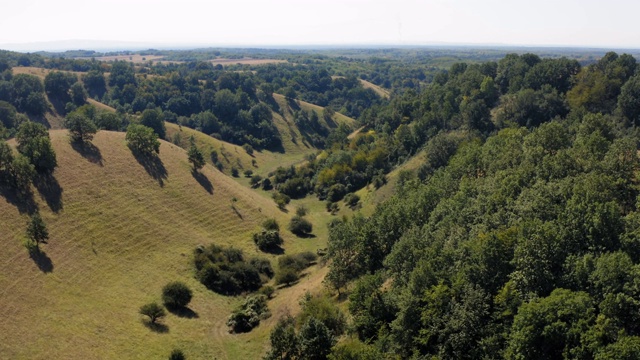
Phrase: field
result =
(246, 61)
(135, 58)
(120, 229)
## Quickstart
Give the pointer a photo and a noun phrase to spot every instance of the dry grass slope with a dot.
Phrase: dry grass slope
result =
(121, 229)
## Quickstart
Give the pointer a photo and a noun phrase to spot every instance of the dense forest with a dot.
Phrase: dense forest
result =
(517, 237)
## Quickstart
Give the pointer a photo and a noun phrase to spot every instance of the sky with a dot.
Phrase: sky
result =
(579, 23)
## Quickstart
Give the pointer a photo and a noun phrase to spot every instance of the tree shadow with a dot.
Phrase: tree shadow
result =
(183, 312)
(305, 236)
(203, 180)
(156, 327)
(88, 151)
(23, 201)
(42, 260)
(49, 188)
(152, 165)
(235, 210)
(274, 250)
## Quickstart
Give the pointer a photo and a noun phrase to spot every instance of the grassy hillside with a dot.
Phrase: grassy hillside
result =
(120, 229)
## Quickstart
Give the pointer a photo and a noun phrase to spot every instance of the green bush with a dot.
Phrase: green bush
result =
(267, 239)
(177, 354)
(176, 295)
(281, 200)
(271, 224)
(351, 200)
(300, 226)
(286, 276)
(249, 314)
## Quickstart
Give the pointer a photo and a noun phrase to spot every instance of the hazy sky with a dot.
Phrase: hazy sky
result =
(611, 23)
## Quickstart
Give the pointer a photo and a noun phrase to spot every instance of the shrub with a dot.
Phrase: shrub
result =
(271, 224)
(153, 311)
(234, 172)
(267, 239)
(37, 229)
(281, 200)
(332, 207)
(301, 210)
(300, 226)
(336, 192)
(248, 173)
(255, 181)
(266, 184)
(177, 354)
(351, 200)
(248, 149)
(267, 291)
(176, 295)
(286, 276)
(249, 314)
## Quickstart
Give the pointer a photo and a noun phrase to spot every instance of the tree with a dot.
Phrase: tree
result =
(7, 115)
(153, 118)
(142, 139)
(176, 295)
(34, 143)
(196, 158)
(315, 340)
(284, 341)
(267, 239)
(37, 229)
(57, 85)
(177, 354)
(81, 128)
(153, 311)
(94, 83)
(78, 94)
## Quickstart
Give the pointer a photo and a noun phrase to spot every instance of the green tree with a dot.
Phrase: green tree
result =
(176, 295)
(7, 115)
(284, 341)
(196, 158)
(177, 354)
(153, 118)
(34, 143)
(37, 229)
(153, 311)
(551, 327)
(78, 94)
(81, 128)
(142, 139)
(95, 83)
(57, 85)
(315, 339)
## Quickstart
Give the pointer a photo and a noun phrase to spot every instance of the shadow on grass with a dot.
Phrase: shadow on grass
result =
(305, 236)
(203, 180)
(42, 260)
(88, 151)
(152, 165)
(156, 327)
(23, 201)
(275, 250)
(49, 188)
(237, 212)
(184, 312)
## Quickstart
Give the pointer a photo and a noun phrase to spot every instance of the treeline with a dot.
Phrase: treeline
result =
(517, 240)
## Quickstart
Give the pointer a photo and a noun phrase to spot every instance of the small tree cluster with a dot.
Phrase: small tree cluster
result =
(269, 237)
(249, 314)
(225, 270)
(196, 158)
(281, 200)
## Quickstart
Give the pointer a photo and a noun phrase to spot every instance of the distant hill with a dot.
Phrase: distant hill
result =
(120, 229)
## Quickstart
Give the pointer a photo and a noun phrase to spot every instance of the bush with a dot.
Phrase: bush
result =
(177, 354)
(176, 295)
(248, 149)
(271, 224)
(281, 200)
(266, 184)
(286, 276)
(153, 311)
(267, 239)
(249, 314)
(267, 291)
(300, 226)
(234, 172)
(297, 262)
(255, 181)
(336, 192)
(248, 173)
(351, 200)
(301, 210)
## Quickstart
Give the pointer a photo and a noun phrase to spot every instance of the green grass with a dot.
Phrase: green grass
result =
(119, 236)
